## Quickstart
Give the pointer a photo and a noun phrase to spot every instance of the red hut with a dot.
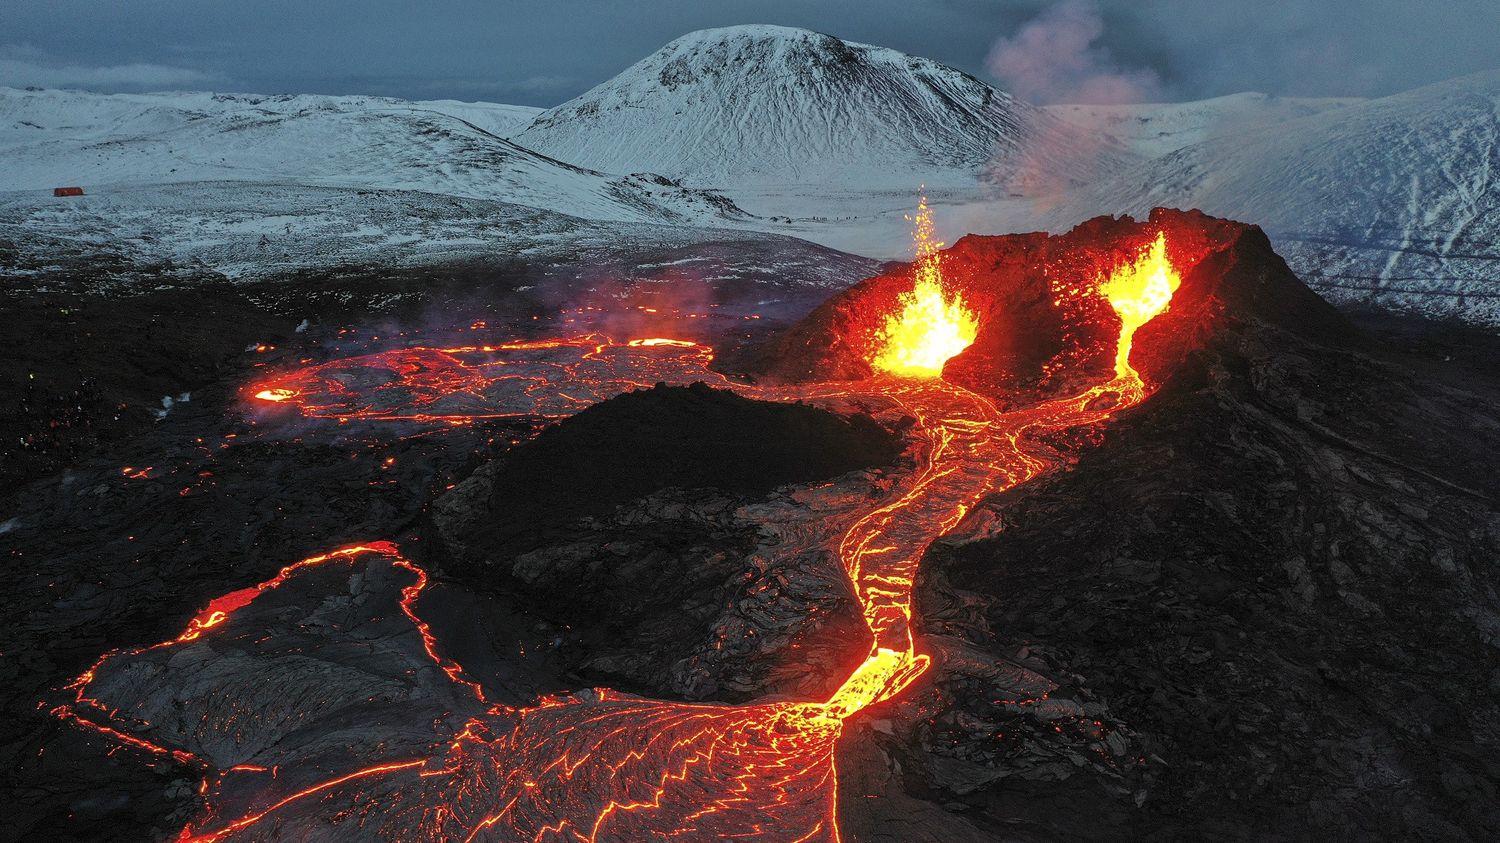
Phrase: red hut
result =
(67, 191)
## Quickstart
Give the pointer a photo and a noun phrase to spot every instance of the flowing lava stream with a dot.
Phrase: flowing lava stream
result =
(601, 765)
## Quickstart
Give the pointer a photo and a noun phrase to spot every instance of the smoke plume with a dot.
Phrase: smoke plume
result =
(1053, 59)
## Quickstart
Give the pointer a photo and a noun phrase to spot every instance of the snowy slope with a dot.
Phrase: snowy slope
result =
(1392, 202)
(132, 236)
(754, 105)
(1156, 129)
(499, 120)
(51, 138)
(1388, 202)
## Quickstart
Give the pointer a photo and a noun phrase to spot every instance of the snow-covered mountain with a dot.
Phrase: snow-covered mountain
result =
(52, 138)
(753, 105)
(1391, 202)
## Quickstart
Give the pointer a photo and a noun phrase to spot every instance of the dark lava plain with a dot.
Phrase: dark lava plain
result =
(1271, 586)
(119, 522)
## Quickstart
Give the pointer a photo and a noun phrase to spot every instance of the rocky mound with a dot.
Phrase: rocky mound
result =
(638, 443)
(647, 525)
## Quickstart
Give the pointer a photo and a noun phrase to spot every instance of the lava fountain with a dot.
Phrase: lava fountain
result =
(600, 765)
(1139, 291)
(931, 327)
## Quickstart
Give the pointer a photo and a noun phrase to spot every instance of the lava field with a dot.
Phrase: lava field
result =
(1113, 534)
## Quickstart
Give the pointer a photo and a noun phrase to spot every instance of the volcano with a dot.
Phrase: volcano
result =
(1042, 324)
(1165, 546)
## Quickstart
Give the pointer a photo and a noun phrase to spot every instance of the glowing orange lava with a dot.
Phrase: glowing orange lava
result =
(931, 327)
(653, 342)
(1138, 291)
(552, 377)
(601, 765)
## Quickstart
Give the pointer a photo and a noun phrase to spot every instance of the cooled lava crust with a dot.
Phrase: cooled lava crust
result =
(688, 437)
(1256, 608)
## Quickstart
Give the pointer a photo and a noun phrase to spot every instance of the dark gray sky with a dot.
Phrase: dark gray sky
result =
(545, 52)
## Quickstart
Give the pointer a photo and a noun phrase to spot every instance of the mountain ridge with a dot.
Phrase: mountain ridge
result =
(759, 103)
(1383, 203)
(53, 138)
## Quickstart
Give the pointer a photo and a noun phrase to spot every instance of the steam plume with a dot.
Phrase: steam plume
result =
(1053, 59)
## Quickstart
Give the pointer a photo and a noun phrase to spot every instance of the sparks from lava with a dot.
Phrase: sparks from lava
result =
(607, 766)
(931, 326)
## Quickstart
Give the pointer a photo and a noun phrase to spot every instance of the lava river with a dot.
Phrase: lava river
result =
(601, 765)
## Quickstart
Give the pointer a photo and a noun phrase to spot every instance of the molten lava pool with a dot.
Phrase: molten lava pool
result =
(602, 765)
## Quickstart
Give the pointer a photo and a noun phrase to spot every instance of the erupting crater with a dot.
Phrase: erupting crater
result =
(992, 348)
(931, 326)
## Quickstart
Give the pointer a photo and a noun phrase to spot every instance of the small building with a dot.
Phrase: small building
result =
(67, 191)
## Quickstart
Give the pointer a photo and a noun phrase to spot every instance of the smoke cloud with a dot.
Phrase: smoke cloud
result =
(1053, 58)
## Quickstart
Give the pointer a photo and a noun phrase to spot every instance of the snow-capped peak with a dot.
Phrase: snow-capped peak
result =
(772, 104)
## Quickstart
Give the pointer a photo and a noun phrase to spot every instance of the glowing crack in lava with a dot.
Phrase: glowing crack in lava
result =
(601, 765)
(931, 326)
(444, 386)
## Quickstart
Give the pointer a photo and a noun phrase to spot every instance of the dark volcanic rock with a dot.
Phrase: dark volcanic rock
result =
(1277, 573)
(648, 525)
(1262, 608)
(83, 372)
(678, 437)
(1260, 605)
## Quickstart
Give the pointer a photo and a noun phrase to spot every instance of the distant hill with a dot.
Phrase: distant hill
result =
(50, 138)
(1388, 203)
(767, 104)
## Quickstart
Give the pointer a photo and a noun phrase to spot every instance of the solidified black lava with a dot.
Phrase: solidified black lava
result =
(83, 372)
(97, 559)
(1260, 605)
(688, 437)
(627, 525)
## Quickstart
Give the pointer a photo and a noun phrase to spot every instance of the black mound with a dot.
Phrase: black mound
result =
(684, 437)
(622, 527)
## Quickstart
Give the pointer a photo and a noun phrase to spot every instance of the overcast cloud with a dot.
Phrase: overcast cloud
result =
(545, 52)
(25, 64)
